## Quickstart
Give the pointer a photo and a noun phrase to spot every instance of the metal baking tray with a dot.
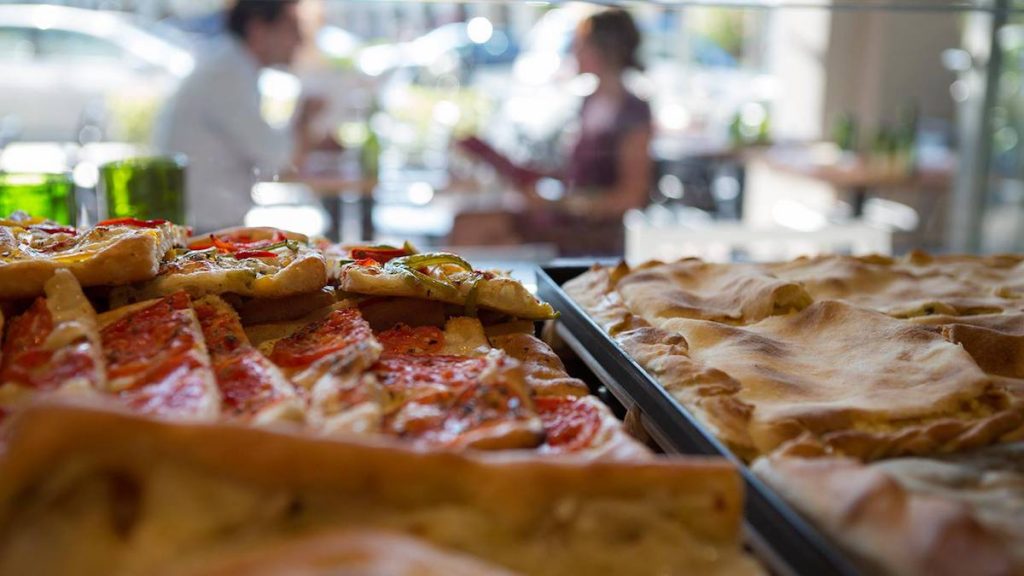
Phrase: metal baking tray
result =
(775, 531)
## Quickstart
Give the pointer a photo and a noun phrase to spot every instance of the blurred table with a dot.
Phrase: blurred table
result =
(854, 174)
(342, 195)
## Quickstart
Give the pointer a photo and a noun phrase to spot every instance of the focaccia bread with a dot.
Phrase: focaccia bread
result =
(253, 262)
(899, 288)
(96, 492)
(957, 515)
(112, 253)
(333, 552)
(995, 341)
(848, 378)
(691, 288)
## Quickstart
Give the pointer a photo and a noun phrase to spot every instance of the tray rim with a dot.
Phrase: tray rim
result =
(774, 527)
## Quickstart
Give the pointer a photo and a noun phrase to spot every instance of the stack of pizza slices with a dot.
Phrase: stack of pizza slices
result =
(191, 403)
(863, 389)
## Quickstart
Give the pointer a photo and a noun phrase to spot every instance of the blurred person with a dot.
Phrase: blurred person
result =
(214, 118)
(608, 170)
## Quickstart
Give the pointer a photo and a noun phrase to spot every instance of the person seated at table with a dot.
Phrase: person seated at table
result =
(609, 168)
(214, 117)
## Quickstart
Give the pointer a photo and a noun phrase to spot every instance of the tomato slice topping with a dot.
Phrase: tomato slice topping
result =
(27, 363)
(55, 229)
(404, 339)
(155, 223)
(244, 380)
(147, 342)
(333, 333)
(243, 374)
(569, 425)
(380, 254)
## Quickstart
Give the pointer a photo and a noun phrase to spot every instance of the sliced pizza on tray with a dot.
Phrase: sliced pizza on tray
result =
(112, 253)
(251, 262)
(439, 276)
(251, 387)
(445, 385)
(54, 345)
(157, 361)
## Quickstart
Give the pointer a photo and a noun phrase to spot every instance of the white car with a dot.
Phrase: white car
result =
(74, 75)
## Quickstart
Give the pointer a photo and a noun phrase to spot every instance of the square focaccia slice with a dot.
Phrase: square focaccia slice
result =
(439, 276)
(938, 516)
(857, 381)
(89, 491)
(250, 262)
(52, 346)
(156, 359)
(112, 253)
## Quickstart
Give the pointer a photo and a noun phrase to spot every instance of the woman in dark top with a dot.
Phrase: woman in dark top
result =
(609, 168)
(610, 163)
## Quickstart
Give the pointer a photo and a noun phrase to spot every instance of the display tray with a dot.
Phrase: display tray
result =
(774, 530)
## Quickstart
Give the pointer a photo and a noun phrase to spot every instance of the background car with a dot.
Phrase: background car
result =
(74, 75)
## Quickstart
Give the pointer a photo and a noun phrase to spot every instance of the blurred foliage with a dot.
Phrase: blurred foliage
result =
(723, 26)
(133, 118)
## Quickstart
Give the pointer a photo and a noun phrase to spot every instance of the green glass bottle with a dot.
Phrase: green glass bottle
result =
(145, 188)
(50, 196)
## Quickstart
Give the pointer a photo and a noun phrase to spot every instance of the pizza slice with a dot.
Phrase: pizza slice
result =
(157, 361)
(440, 276)
(329, 360)
(458, 401)
(571, 421)
(251, 387)
(114, 252)
(252, 262)
(54, 345)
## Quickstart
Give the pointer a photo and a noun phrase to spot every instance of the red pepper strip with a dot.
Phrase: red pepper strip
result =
(278, 237)
(55, 229)
(222, 245)
(366, 262)
(254, 254)
(133, 222)
(382, 255)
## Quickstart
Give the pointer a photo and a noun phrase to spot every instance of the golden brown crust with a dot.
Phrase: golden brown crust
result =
(900, 289)
(536, 515)
(691, 288)
(544, 372)
(307, 273)
(330, 553)
(132, 258)
(857, 381)
(493, 292)
(869, 512)
(995, 341)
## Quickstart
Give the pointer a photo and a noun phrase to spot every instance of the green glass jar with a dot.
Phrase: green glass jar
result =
(50, 196)
(144, 188)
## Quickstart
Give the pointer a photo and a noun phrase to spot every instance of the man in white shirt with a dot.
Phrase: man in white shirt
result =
(214, 118)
